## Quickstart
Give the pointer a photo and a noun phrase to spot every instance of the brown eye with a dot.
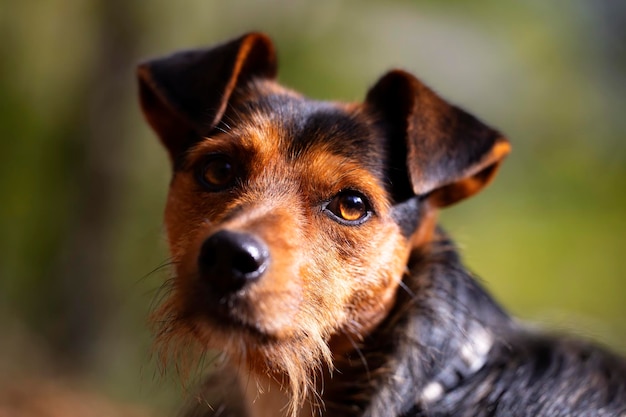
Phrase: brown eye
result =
(349, 207)
(217, 173)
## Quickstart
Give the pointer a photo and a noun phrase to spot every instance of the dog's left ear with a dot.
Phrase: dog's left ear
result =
(185, 95)
(449, 154)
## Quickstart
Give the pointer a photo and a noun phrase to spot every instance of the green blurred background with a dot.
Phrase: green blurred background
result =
(83, 179)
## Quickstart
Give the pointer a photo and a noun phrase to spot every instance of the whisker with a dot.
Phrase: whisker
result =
(406, 288)
(161, 293)
(359, 352)
(165, 264)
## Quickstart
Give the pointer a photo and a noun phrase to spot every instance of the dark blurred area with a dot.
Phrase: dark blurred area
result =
(83, 180)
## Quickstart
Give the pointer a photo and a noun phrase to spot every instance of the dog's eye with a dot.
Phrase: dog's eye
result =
(349, 207)
(217, 173)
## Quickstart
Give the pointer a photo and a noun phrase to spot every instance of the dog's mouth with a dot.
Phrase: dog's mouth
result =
(234, 326)
(239, 313)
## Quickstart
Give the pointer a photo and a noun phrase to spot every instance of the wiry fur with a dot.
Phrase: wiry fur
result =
(375, 317)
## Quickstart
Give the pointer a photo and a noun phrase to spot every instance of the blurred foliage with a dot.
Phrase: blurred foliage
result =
(83, 180)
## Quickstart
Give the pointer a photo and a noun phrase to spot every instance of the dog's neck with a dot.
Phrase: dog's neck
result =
(437, 336)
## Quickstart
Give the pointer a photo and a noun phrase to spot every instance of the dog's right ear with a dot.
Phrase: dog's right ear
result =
(184, 96)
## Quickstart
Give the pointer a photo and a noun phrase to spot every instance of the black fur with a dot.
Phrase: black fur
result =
(407, 215)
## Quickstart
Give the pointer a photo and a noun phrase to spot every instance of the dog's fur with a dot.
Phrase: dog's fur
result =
(356, 303)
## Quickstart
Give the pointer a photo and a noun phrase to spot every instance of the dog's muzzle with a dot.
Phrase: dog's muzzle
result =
(229, 261)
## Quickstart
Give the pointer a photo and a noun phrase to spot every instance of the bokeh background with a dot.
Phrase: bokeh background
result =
(83, 180)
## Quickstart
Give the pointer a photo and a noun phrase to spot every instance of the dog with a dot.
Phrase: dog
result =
(306, 249)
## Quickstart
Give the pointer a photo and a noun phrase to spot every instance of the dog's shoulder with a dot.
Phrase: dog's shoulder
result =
(473, 359)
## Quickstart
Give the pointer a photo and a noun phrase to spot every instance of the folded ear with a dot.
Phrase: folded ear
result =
(184, 96)
(449, 154)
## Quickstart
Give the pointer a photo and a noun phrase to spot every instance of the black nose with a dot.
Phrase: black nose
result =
(230, 260)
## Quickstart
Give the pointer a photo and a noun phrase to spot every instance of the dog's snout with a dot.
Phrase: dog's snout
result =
(230, 260)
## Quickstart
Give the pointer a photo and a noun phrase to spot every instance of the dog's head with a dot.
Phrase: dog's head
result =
(290, 221)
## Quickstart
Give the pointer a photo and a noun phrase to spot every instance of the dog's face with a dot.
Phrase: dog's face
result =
(290, 221)
(280, 221)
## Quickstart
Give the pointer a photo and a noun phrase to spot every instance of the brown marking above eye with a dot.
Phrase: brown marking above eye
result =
(349, 207)
(217, 172)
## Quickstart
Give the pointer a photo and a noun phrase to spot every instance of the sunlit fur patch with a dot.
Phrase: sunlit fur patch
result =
(327, 282)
